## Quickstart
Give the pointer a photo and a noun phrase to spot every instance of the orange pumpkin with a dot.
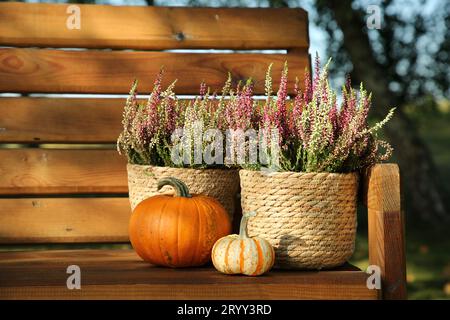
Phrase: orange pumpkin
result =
(179, 230)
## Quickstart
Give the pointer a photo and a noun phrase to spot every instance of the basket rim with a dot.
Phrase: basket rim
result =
(295, 173)
(133, 165)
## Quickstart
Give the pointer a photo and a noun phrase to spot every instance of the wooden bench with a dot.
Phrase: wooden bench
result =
(62, 182)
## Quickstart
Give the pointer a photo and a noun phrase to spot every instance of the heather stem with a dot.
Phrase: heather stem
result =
(244, 221)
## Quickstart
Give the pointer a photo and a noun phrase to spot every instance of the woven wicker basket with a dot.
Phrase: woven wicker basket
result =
(309, 218)
(222, 184)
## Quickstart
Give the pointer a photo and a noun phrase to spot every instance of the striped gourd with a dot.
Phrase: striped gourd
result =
(240, 254)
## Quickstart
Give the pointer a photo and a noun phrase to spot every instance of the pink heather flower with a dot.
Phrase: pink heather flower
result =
(171, 116)
(232, 113)
(130, 107)
(213, 105)
(257, 116)
(316, 73)
(324, 92)
(348, 109)
(133, 100)
(297, 109)
(344, 121)
(308, 93)
(141, 131)
(348, 82)
(333, 117)
(152, 118)
(245, 103)
(179, 112)
(229, 113)
(364, 112)
(282, 90)
(362, 145)
(152, 104)
(351, 107)
(203, 90)
(281, 113)
(155, 96)
(266, 115)
(298, 100)
(239, 109)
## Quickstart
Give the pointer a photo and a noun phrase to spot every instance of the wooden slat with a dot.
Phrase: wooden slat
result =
(93, 71)
(64, 220)
(49, 171)
(386, 228)
(152, 27)
(120, 274)
(60, 120)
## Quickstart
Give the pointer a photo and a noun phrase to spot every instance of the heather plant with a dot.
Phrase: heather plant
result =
(154, 131)
(309, 131)
(315, 134)
(147, 127)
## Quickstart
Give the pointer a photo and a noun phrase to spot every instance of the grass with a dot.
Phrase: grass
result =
(429, 253)
(428, 263)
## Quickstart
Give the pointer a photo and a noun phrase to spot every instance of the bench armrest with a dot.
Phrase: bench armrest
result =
(386, 227)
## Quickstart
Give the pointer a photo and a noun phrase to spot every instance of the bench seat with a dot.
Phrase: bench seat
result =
(121, 274)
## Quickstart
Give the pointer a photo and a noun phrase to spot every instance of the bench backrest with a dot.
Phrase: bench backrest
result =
(65, 182)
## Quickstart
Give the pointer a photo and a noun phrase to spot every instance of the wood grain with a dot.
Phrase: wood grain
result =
(386, 228)
(64, 220)
(53, 171)
(60, 120)
(153, 27)
(94, 71)
(46, 278)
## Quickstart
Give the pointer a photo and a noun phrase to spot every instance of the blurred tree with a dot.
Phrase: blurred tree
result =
(402, 62)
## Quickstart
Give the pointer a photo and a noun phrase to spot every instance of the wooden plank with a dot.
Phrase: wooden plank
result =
(46, 278)
(64, 220)
(93, 71)
(386, 228)
(52, 171)
(60, 120)
(88, 255)
(152, 27)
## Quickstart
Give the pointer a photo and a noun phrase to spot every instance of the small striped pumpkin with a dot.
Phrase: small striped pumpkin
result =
(240, 254)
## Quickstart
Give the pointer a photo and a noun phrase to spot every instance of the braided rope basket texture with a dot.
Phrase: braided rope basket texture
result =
(309, 218)
(221, 184)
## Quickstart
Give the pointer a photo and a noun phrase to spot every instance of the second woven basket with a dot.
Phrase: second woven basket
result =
(309, 218)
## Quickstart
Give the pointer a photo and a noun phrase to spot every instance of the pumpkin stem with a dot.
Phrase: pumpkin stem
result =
(181, 189)
(244, 220)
